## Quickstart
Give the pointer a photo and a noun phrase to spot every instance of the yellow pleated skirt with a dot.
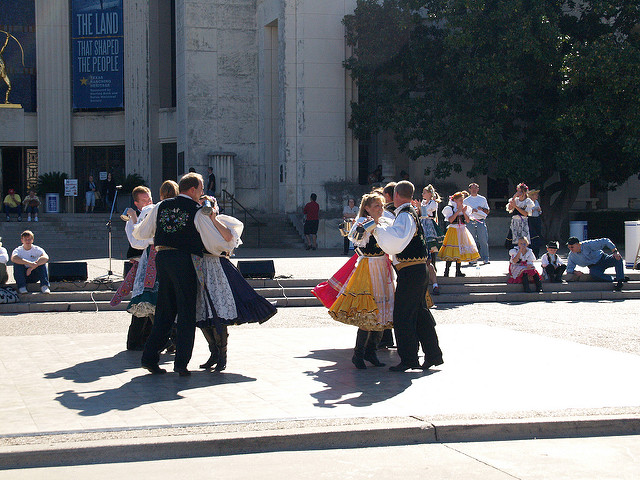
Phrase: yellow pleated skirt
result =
(458, 245)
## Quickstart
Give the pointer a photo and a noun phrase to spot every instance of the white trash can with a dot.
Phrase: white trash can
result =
(631, 241)
(578, 229)
(52, 203)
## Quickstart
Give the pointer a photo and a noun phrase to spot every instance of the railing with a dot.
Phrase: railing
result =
(229, 200)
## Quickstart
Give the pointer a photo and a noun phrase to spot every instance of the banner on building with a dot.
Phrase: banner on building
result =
(98, 51)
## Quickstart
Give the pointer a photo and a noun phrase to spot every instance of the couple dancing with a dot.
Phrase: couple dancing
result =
(197, 282)
(367, 299)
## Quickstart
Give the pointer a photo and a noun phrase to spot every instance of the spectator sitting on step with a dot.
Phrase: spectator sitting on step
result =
(31, 203)
(29, 264)
(552, 265)
(12, 204)
(588, 253)
(4, 258)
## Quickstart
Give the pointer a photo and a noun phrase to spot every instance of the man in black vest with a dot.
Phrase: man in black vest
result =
(172, 223)
(403, 239)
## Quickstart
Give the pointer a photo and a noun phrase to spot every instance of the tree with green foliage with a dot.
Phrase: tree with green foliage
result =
(541, 91)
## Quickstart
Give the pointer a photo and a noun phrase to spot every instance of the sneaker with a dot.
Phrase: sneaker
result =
(29, 218)
(35, 219)
(45, 289)
(22, 290)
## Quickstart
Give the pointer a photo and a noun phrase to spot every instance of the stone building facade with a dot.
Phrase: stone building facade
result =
(255, 89)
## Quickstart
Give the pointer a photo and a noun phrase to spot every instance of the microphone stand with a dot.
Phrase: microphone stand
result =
(113, 205)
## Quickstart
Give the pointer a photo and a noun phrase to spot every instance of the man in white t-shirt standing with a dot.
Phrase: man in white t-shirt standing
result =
(478, 225)
(29, 264)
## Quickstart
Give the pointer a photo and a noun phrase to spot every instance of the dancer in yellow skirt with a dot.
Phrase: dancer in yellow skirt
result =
(366, 300)
(458, 244)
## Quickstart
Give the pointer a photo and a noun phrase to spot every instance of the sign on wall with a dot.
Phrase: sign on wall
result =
(98, 51)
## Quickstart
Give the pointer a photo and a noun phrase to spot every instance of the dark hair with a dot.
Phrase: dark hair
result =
(314, 197)
(189, 181)
(388, 189)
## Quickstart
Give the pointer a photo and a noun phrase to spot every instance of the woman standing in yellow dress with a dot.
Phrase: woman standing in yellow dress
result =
(458, 244)
(366, 300)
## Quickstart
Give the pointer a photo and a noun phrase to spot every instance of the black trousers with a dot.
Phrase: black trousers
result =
(176, 296)
(139, 330)
(412, 320)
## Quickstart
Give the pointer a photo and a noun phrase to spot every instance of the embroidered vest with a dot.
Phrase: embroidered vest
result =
(175, 226)
(416, 251)
(371, 249)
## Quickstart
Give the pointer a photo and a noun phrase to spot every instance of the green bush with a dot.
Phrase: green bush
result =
(52, 182)
(132, 181)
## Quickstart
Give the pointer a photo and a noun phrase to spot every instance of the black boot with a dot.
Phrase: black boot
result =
(358, 351)
(213, 348)
(538, 281)
(459, 271)
(447, 268)
(370, 349)
(434, 256)
(558, 274)
(525, 283)
(221, 344)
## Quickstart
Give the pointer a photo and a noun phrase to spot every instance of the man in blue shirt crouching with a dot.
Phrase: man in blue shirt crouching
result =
(588, 253)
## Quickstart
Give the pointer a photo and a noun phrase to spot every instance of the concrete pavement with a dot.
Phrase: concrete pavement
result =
(71, 395)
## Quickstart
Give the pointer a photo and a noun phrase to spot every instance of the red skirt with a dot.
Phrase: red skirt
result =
(327, 292)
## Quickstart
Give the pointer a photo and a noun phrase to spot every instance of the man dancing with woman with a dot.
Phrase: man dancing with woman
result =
(403, 239)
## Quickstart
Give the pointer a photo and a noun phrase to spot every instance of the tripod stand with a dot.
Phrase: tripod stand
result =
(110, 271)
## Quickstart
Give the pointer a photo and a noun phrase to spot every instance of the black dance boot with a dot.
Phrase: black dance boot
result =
(525, 283)
(370, 349)
(447, 268)
(213, 348)
(434, 256)
(358, 351)
(221, 344)
(459, 271)
(538, 281)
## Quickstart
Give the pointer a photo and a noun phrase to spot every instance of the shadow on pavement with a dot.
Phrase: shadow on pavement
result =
(141, 390)
(346, 385)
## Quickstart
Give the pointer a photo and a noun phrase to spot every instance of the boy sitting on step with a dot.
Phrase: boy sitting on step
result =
(552, 265)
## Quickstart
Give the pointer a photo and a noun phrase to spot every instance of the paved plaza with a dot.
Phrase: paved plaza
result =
(69, 374)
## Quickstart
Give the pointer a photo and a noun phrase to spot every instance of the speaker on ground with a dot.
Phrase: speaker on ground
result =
(257, 268)
(67, 271)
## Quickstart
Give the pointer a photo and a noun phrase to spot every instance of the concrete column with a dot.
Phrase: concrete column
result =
(55, 148)
(141, 91)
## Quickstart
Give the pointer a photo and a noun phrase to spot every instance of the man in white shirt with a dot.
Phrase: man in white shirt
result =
(4, 258)
(402, 238)
(478, 226)
(29, 264)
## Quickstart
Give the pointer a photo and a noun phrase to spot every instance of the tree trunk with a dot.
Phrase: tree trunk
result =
(556, 214)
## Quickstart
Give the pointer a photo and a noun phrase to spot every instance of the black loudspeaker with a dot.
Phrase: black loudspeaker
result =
(67, 271)
(257, 268)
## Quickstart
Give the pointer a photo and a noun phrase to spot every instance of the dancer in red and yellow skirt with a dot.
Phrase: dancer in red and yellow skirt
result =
(458, 244)
(366, 299)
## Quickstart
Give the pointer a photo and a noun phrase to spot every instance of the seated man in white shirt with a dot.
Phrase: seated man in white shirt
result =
(4, 258)
(29, 264)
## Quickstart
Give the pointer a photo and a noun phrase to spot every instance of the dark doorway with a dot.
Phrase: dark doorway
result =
(96, 161)
(12, 170)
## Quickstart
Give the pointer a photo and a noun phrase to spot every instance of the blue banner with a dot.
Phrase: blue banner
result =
(97, 38)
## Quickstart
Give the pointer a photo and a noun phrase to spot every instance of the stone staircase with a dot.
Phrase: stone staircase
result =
(276, 231)
(287, 292)
(62, 234)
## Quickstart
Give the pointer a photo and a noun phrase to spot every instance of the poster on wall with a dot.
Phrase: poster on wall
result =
(97, 53)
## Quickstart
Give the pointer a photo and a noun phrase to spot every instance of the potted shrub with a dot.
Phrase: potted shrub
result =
(130, 182)
(50, 189)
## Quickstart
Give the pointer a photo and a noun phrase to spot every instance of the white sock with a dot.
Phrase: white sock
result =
(435, 285)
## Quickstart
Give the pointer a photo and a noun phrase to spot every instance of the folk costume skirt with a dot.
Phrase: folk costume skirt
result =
(225, 297)
(366, 301)
(328, 291)
(458, 245)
